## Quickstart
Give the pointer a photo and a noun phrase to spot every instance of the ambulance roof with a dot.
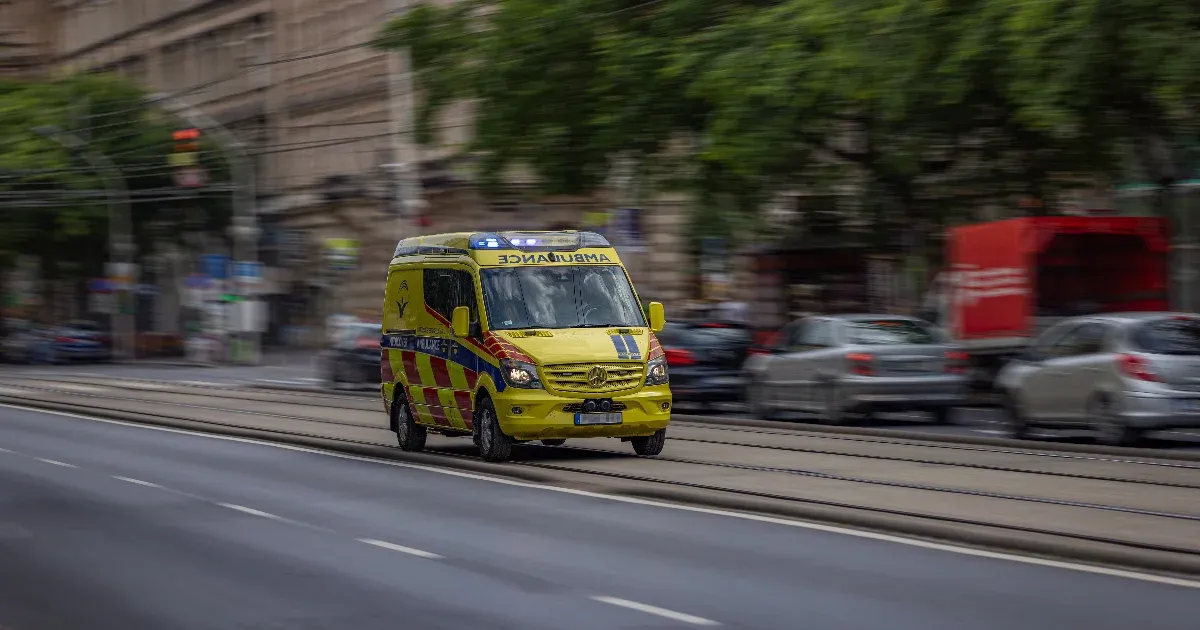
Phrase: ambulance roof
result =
(464, 243)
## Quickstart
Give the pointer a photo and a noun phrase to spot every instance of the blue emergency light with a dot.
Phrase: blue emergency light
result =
(537, 241)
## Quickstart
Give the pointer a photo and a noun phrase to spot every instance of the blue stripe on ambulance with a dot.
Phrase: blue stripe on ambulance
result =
(631, 345)
(619, 344)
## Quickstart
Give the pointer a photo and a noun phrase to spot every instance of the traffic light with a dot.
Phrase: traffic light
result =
(187, 143)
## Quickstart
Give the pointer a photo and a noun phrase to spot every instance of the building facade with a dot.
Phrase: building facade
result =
(298, 82)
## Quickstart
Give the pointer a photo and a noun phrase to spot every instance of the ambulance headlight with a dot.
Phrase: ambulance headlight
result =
(656, 371)
(520, 374)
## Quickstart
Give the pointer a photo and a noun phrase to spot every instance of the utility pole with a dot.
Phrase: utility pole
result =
(120, 236)
(244, 230)
(404, 172)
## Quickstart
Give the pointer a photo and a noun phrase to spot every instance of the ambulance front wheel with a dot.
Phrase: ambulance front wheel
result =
(410, 435)
(494, 445)
(650, 445)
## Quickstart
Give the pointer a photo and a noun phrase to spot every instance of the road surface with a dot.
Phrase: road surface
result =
(104, 525)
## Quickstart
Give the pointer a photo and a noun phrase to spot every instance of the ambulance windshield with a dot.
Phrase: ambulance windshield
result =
(578, 296)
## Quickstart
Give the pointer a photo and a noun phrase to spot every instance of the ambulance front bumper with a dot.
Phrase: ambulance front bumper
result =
(540, 415)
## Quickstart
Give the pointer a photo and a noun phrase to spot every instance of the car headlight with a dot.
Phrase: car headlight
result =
(520, 374)
(656, 371)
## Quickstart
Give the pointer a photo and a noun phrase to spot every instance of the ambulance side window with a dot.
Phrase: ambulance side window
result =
(447, 289)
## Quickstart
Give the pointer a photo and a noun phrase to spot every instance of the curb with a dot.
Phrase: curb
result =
(902, 434)
(996, 539)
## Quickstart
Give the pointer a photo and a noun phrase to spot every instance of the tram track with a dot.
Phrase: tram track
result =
(739, 444)
(846, 435)
(791, 471)
(452, 455)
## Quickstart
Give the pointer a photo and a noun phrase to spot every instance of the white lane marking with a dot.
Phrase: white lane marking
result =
(12, 390)
(144, 385)
(55, 462)
(274, 382)
(208, 384)
(655, 610)
(835, 529)
(137, 481)
(80, 388)
(402, 549)
(4, 450)
(251, 511)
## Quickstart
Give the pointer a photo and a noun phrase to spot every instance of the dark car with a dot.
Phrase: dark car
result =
(353, 357)
(80, 341)
(705, 360)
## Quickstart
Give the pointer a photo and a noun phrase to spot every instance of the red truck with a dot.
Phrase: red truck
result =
(1009, 280)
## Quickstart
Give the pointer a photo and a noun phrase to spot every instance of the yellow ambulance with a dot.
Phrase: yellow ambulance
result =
(514, 337)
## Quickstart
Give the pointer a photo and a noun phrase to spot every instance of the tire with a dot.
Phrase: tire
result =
(494, 445)
(1109, 428)
(941, 415)
(409, 435)
(650, 445)
(553, 442)
(755, 397)
(833, 415)
(1016, 425)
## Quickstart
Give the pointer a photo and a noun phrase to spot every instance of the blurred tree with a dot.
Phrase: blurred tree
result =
(930, 109)
(1124, 72)
(53, 203)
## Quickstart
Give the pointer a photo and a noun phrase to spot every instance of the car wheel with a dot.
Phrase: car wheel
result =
(1110, 428)
(832, 414)
(1016, 424)
(941, 415)
(756, 399)
(553, 442)
(410, 435)
(650, 445)
(494, 445)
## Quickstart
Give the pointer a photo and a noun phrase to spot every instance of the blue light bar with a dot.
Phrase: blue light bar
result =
(537, 241)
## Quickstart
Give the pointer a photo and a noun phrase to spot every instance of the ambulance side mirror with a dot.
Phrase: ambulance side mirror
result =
(461, 322)
(658, 317)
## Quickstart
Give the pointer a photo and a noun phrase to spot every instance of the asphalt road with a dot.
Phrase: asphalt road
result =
(110, 526)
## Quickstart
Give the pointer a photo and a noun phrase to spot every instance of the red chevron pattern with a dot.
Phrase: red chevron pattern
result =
(655, 349)
(385, 367)
(502, 349)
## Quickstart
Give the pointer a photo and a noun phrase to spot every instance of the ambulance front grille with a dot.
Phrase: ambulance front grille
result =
(575, 377)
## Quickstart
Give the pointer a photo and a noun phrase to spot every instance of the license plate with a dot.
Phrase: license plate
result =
(597, 418)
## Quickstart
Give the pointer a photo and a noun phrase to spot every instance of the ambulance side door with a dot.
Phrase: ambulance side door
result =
(451, 366)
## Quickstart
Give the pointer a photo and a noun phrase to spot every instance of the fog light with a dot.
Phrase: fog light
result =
(516, 411)
(605, 406)
(666, 406)
(589, 406)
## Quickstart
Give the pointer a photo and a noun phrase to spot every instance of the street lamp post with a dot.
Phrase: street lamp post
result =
(120, 234)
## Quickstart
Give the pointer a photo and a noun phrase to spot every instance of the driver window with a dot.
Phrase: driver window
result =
(1067, 345)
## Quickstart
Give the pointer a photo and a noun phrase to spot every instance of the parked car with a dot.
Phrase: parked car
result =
(844, 365)
(354, 354)
(23, 341)
(80, 341)
(1120, 375)
(705, 360)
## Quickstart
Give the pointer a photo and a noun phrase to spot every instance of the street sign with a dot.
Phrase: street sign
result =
(341, 254)
(215, 266)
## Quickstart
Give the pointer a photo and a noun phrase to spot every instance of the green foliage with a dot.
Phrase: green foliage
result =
(934, 106)
(53, 200)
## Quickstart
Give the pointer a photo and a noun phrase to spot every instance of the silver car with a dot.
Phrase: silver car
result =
(1119, 375)
(841, 365)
